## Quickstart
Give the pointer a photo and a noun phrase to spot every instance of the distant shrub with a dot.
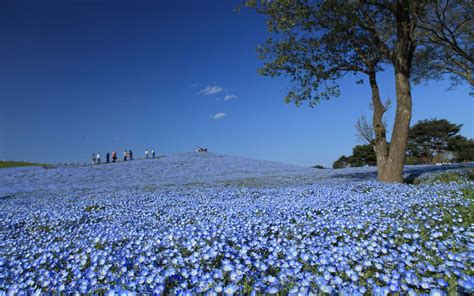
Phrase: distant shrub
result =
(342, 162)
(318, 166)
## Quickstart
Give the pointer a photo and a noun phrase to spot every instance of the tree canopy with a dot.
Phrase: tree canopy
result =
(317, 43)
(430, 140)
(430, 137)
(462, 148)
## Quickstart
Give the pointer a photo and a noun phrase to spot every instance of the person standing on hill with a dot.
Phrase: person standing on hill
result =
(114, 156)
(152, 153)
(146, 153)
(130, 155)
(107, 158)
(98, 158)
(93, 158)
(125, 154)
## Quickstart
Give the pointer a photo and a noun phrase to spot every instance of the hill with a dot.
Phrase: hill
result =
(183, 169)
(178, 169)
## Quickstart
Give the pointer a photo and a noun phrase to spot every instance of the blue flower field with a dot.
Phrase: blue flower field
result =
(201, 223)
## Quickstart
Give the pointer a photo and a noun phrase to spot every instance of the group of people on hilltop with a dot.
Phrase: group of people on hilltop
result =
(201, 149)
(127, 155)
(96, 159)
(152, 153)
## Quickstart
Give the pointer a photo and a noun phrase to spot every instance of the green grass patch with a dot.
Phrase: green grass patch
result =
(93, 208)
(12, 164)
(43, 228)
(99, 246)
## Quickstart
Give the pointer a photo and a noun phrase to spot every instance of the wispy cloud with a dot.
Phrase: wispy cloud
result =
(219, 115)
(229, 97)
(211, 90)
(194, 85)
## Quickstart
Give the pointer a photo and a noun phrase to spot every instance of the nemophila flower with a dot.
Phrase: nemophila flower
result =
(326, 289)
(203, 239)
(230, 290)
(425, 285)
(394, 288)
(293, 291)
(436, 292)
(468, 284)
(272, 289)
(228, 267)
(337, 280)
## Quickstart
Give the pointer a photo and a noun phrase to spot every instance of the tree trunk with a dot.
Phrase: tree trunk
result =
(393, 170)
(380, 145)
(401, 60)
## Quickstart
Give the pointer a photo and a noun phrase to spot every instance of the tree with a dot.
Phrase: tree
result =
(430, 137)
(363, 155)
(365, 131)
(342, 162)
(462, 147)
(318, 42)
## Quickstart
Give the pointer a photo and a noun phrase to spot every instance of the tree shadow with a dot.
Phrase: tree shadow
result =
(410, 172)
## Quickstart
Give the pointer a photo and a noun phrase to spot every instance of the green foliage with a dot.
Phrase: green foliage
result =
(429, 141)
(411, 160)
(10, 164)
(462, 148)
(99, 246)
(318, 166)
(342, 162)
(315, 43)
(430, 137)
(44, 228)
(363, 155)
(93, 208)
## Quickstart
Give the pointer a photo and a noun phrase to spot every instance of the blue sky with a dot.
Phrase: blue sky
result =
(85, 76)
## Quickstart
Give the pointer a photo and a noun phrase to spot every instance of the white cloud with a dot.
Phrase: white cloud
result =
(219, 115)
(229, 97)
(211, 90)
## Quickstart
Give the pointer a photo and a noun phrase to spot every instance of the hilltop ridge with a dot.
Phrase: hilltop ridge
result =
(175, 169)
